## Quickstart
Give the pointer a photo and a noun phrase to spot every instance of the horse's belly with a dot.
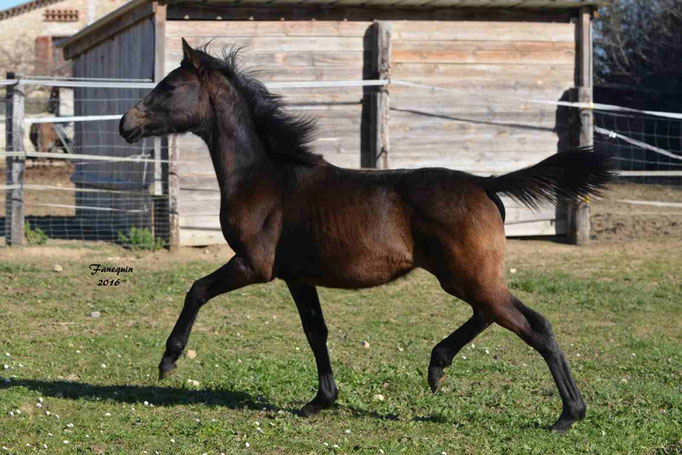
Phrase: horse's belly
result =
(352, 267)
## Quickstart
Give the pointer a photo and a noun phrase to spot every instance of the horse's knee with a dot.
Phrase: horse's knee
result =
(196, 296)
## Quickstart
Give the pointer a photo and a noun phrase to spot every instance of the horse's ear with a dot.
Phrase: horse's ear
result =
(190, 55)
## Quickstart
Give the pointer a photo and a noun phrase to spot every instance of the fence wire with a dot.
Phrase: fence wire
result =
(83, 182)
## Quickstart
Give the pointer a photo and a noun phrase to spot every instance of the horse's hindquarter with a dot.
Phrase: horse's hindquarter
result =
(345, 229)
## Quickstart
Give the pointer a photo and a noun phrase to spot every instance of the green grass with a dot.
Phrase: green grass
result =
(619, 326)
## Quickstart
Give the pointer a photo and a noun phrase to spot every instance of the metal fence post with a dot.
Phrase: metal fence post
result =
(14, 130)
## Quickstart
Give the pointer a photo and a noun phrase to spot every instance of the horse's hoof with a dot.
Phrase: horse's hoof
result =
(436, 378)
(561, 426)
(311, 409)
(166, 367)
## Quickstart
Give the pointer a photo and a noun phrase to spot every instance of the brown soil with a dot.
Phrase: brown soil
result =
(614, 220)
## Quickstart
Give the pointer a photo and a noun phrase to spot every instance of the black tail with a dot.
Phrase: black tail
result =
(573, 175)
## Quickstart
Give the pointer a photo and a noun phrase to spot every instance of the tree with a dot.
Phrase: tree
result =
(638, 47)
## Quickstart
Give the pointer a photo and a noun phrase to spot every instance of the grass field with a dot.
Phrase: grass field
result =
(616, 309)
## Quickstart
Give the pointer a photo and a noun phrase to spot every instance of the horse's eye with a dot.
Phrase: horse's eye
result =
(168, 87)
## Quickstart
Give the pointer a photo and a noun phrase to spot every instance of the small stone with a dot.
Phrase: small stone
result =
(512, 271)
(193, 383)
(104, 365)
(38, 405)
(348, 431)
(172, 440)
(69, 425)
(94, 314)
(58, 268)
(378, 397)
(65, 441)
(487, 351)
(191, 354)
(108, 414)
(44, 446)
(365, 344)
(11, 413)
(247, 445)
(146, 403)
(40, 399)
(5, 366)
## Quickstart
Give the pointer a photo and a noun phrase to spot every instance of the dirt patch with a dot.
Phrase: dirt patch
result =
(613, 219)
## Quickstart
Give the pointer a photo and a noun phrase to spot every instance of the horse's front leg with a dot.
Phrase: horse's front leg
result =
(235, 274)
(308, 305)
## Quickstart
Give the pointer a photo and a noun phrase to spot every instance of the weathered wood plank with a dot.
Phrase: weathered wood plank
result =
(15, 165)
(96, 35)
(191, 29)
(273, 43)
(490, 52)
(578, 212)
(520, 74)
(483, 31)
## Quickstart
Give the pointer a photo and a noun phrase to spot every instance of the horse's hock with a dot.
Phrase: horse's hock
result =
(481, 124)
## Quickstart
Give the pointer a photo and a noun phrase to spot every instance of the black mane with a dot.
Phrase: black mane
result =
(286, 137)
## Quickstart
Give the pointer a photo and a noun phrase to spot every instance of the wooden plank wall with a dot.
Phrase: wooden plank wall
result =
(280, 51)
(484, 123)
(128, 55)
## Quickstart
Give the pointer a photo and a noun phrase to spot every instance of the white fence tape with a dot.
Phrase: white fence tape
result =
(67, 156)
(629, 140)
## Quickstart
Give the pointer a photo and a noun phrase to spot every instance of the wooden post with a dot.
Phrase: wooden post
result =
(375, 147)
(578, 217)
(173, 194)
(14, 131)
(165, 209)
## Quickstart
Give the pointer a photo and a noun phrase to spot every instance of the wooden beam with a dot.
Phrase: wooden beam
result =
(374, 143)
(579, 211)
(173, 195)
(161, 200)
(109, 25)
(233, 12)
(14, 131)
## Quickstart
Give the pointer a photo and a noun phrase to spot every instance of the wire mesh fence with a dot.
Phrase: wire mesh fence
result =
(81, 181)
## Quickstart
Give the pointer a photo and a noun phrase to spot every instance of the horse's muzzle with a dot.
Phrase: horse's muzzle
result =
(131, 127)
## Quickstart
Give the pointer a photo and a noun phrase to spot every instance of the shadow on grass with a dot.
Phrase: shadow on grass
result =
(172, 396)
(158, 396)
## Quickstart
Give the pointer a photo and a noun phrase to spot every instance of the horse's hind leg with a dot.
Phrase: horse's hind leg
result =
(233, 275)
(445, 351)
(535, 329)
(308, 305)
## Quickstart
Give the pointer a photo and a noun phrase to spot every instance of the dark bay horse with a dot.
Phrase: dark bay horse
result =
(289, 214)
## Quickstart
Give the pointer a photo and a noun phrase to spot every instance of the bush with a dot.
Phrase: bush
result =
(140, 239)
(34, 236)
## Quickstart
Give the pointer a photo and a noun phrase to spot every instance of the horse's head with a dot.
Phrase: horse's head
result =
(177, 104)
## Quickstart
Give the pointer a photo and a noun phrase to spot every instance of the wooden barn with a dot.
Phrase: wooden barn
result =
(491, 60)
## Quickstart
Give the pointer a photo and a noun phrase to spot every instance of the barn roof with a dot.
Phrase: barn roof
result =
(534, 4)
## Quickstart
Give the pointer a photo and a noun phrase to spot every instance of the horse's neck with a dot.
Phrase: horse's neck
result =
(235, 148)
